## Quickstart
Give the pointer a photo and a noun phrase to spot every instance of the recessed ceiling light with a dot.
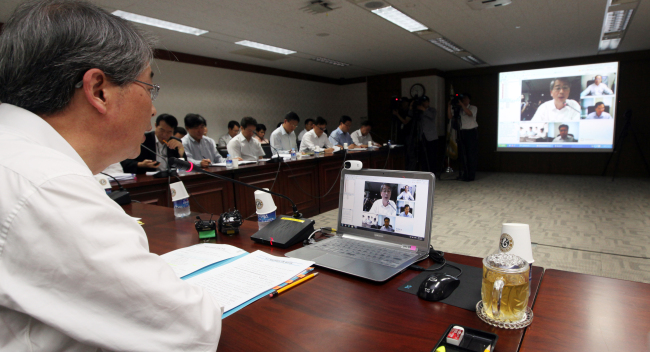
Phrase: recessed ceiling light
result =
(158, 23)
(446, 44)
(617, 19)
(260, 46)
(330, 61)
(395, 16)
(473, 60)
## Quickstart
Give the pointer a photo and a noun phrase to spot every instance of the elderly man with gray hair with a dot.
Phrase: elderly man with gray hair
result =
(76, 273)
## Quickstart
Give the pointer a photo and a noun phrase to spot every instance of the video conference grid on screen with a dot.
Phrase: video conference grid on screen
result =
(569, 108)
(396, 206)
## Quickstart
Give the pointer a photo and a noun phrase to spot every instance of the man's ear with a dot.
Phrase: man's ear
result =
(96, 89)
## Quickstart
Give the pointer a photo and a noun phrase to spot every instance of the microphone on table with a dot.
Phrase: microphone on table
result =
(278, 159)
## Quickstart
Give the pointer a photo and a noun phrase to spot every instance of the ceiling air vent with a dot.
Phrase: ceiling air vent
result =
(487, 4)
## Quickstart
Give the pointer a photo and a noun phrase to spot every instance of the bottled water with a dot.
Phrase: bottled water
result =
(293, 154)
(228, 162)
(182, 208)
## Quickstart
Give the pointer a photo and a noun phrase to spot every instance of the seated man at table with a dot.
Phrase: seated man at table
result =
(384, 206)
(361, 137)
(200, 149)
(316, 139)
(233, 130)
(309, 124)
(243, 146)
(599, 112)
(406, 213)
(387, 226)
(341, 135)
(179, 132)
(157, 141)
(564, 135)
(76, 273)
(283, 138)
(405, 194)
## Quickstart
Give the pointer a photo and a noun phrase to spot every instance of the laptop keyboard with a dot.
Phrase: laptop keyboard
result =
(366, 251)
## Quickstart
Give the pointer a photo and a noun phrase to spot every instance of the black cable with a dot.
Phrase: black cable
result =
(437, 256)
(387, 157)
(118, 182)
(332, 187)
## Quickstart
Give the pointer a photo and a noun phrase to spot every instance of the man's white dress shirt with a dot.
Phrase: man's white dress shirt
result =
(311, 141)
(594, 89)
(468, 122)
(240, 147)
(404, 215)
(603, 115)
(379, 208)
(75, 270)
(224, 140)
(548, 112)
(302, 134)
(359, 139)
(205, 148)
(281, 140)
(405, 196)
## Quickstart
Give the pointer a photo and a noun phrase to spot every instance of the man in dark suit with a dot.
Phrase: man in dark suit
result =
(159, 141)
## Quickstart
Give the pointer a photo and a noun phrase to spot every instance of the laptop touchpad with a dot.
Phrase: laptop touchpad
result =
(332, 260)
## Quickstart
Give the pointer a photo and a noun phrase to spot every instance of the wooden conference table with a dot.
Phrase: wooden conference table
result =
(332, 312)
(313, 183)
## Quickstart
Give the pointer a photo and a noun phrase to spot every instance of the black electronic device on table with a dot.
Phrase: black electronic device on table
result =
(284, 232)
(229, 222)
(205, 228)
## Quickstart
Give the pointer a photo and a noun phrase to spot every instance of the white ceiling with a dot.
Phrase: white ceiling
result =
(548, 29)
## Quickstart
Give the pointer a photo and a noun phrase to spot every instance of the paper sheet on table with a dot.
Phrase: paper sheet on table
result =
(187, 260)
(241, 162)
(359, 149)
(248, 277)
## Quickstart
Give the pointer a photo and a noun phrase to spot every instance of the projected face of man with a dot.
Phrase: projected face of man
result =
(598, 79)
(407, 209)
(560, 92)
(599, 109)
(386, 222)
(564, 131)
(385, 194)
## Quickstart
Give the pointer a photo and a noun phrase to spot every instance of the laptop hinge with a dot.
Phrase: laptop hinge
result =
(382, 243)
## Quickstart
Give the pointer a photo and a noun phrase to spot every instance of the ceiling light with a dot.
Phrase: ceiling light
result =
(608, 44)
(473, 60)
(158, 23)
(446, 45)
(395, 16)
(329, 61)
(616, 21)
(618, 15)
(260, 46)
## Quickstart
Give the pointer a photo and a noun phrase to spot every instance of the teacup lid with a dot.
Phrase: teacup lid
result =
(505, 261)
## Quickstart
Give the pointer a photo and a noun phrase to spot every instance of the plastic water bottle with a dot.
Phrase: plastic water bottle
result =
(389, 144)
(228, 162)
(182, 208)
(293, 154)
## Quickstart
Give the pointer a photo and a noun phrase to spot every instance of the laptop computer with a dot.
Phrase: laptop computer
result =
(384, 224)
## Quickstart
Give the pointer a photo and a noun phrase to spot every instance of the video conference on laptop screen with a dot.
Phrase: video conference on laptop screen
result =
(566, 109)
(392, 205)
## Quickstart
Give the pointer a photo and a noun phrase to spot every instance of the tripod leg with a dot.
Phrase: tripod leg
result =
(638, 147)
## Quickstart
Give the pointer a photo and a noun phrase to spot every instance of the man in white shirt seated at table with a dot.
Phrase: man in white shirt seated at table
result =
(407, 212)
(309, 124)
(283, 139)
(596, 88)
(233, 130)
(387, 226)
(384, 206)
(243, 146)
(199, 148)
(76, 273)
(361, 137)
(405, 195)
(316, 139)
(599, 112)
(561, 108)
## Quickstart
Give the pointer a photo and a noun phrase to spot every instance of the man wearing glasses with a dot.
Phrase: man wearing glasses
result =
(283, 138)
(561, 108)
(384, 206)
(316, 138)
(76, 273)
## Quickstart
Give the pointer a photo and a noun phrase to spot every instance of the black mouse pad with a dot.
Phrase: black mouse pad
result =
(465, 296)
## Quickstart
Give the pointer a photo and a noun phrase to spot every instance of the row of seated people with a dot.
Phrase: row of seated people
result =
(243, 141)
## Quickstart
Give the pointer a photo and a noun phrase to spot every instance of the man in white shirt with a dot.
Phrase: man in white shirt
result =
(199, 148)
(407, 212)
(362, 136)
(309, 124)
(468, 136)
(384, 206)
(243, 146)
(387, 226)
(76, 273)
(596, 88)
(599, 112)
(283, 138)
(561, 108)
(564, 135)
(405, 195)
(316, 139)
(233, 130)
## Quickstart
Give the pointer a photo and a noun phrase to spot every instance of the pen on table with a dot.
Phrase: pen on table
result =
(295, 283)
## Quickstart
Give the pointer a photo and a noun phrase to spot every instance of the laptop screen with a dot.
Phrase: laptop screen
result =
(394, 206)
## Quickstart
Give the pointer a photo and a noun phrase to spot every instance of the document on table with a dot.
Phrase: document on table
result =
(187, 260)
(241, 162)
(246, 278)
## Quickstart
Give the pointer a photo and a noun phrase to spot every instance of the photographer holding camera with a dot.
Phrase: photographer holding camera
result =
(465, 115)
(428, 135)
(401, 109)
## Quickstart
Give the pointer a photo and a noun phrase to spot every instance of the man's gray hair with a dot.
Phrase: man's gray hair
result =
(47, 46)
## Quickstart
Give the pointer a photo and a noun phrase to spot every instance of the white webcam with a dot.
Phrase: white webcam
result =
(353, 165)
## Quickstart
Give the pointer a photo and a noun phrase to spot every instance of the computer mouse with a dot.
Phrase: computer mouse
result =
(437, 286)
